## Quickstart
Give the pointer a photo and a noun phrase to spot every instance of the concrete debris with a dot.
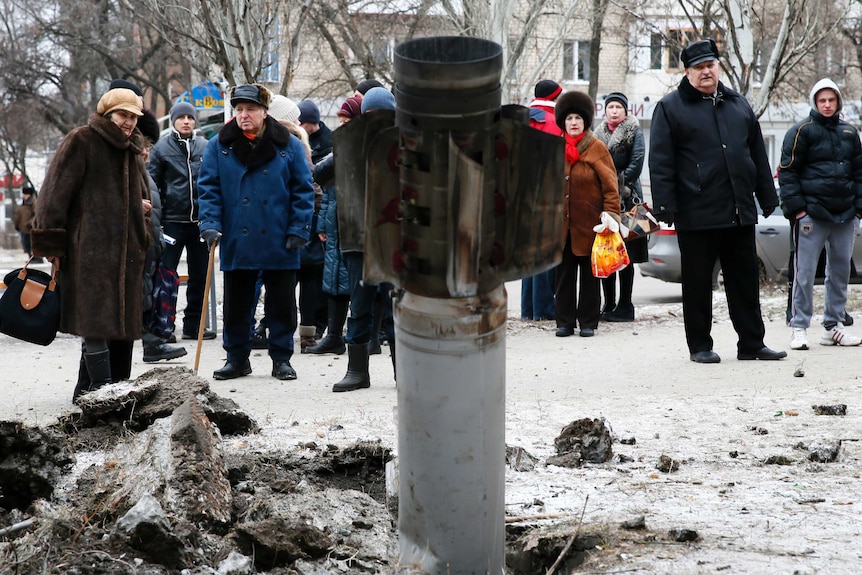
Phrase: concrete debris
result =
(682, 535)
(667, 464)
(520, 459)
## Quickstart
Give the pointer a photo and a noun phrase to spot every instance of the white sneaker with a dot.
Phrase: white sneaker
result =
(798, 338)
(837, 336)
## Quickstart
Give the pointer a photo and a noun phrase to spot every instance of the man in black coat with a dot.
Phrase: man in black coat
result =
(707, 161)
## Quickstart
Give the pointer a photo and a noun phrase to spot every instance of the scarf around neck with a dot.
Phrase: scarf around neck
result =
(572, 153)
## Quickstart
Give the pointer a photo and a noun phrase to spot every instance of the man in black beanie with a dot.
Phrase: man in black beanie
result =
(174, 165)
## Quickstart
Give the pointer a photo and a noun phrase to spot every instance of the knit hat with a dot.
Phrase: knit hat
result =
(548, 90)
(254, 93)
(120, 83)
(29, 190)
(365, 85)
(149, 126)
(618, 97)
(351, 107)
(308, 112)
(120, 99)
(283, 108)
(578, 103)
(825, 84)
(378, 99)
(183, 109)
(700, 51)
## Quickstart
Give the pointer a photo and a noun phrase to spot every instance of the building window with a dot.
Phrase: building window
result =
(656, 51)
(576, 60)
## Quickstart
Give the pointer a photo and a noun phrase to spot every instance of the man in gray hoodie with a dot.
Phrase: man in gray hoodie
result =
(821, 194)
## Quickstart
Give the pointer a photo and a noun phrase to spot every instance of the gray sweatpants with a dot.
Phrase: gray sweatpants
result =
(811, 236)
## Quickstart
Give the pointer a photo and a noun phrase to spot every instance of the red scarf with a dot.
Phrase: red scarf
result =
(572, 154)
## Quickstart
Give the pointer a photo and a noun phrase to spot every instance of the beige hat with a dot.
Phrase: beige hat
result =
(120, 99)
(283, 108)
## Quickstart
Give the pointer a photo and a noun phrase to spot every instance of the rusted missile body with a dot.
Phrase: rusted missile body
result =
(449, 197)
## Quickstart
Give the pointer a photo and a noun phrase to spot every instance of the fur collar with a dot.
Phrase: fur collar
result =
(620, 139)
(588, 137)
(112, 134)
(257, 152)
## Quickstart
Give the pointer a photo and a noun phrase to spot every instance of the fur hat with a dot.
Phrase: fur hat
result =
(825, 84)
(700, 51)
(365, 85)
(578, 103)
(283, 108)
(378, 99)
(149, 126)
(254, 93)
(547, 90)
(351, 107)
(120, 83)
(618, 97)
(183, 109)
(120, 99)
(309, 113)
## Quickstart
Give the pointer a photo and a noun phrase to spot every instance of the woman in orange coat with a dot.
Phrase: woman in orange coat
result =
(590, 189)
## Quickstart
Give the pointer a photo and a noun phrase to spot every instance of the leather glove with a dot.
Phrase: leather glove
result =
(608, 222)
(667, 218)
(210, 236)
(294, 242)
(768, 211)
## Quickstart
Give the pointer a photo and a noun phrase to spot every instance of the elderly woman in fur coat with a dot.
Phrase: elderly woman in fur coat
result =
(92, 225)
(625, 141)
(591, 197)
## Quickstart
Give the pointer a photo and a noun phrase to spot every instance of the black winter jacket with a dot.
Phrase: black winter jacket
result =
(821, 170)
(174, 165)
(707, 160)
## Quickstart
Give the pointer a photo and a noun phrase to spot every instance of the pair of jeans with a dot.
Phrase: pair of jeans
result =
(187, 238)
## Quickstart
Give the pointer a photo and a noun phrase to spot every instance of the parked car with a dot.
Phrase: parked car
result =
(772, 237)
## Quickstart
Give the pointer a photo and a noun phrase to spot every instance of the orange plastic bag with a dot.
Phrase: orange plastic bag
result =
(609, 254)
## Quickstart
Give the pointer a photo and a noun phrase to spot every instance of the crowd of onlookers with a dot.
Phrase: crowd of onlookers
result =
(121, 199)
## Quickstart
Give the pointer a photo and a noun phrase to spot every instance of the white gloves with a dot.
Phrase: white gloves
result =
(608, 223)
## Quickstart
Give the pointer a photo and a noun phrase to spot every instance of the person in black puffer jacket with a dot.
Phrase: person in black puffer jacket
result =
(821, 194)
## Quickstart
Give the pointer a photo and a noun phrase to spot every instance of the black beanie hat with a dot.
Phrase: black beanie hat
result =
(149, 126)
(365, 85)
(578, 103)
(547, 90)
(618, 97)
(120, 83)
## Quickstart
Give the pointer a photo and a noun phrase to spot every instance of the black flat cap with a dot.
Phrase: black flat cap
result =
(698, 52)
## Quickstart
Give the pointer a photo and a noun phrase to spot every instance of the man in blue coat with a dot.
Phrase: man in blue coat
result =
(256, 195)
(707, 161)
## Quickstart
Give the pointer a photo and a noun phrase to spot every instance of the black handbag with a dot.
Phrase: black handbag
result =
(30, 306)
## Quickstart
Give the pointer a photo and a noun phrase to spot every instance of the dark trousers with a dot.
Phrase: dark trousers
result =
(537, 296)
(577, 305)
(197, 258)
(734, 248)
(362, 297)
(279, 309)
(312, 300)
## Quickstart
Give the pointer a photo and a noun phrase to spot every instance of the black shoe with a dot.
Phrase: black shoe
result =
(357, 369)
(587, 332)
(764, 353)
(208, 334)
(329, 344)
(258, 341)
(848, 319)
(233, 370)
(163, 351)
(625, 313)
(705, 357)
(564, 332)
(374, 347)
(282, 370)
(171, 339)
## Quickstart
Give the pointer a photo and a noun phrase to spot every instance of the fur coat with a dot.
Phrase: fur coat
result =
(590, 188)
(90, 213)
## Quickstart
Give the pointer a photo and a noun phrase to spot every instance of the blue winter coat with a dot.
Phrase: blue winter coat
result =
(256, 194)
(335, 278)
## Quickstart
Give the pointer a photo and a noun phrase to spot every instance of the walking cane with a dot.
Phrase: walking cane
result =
(209, 280)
